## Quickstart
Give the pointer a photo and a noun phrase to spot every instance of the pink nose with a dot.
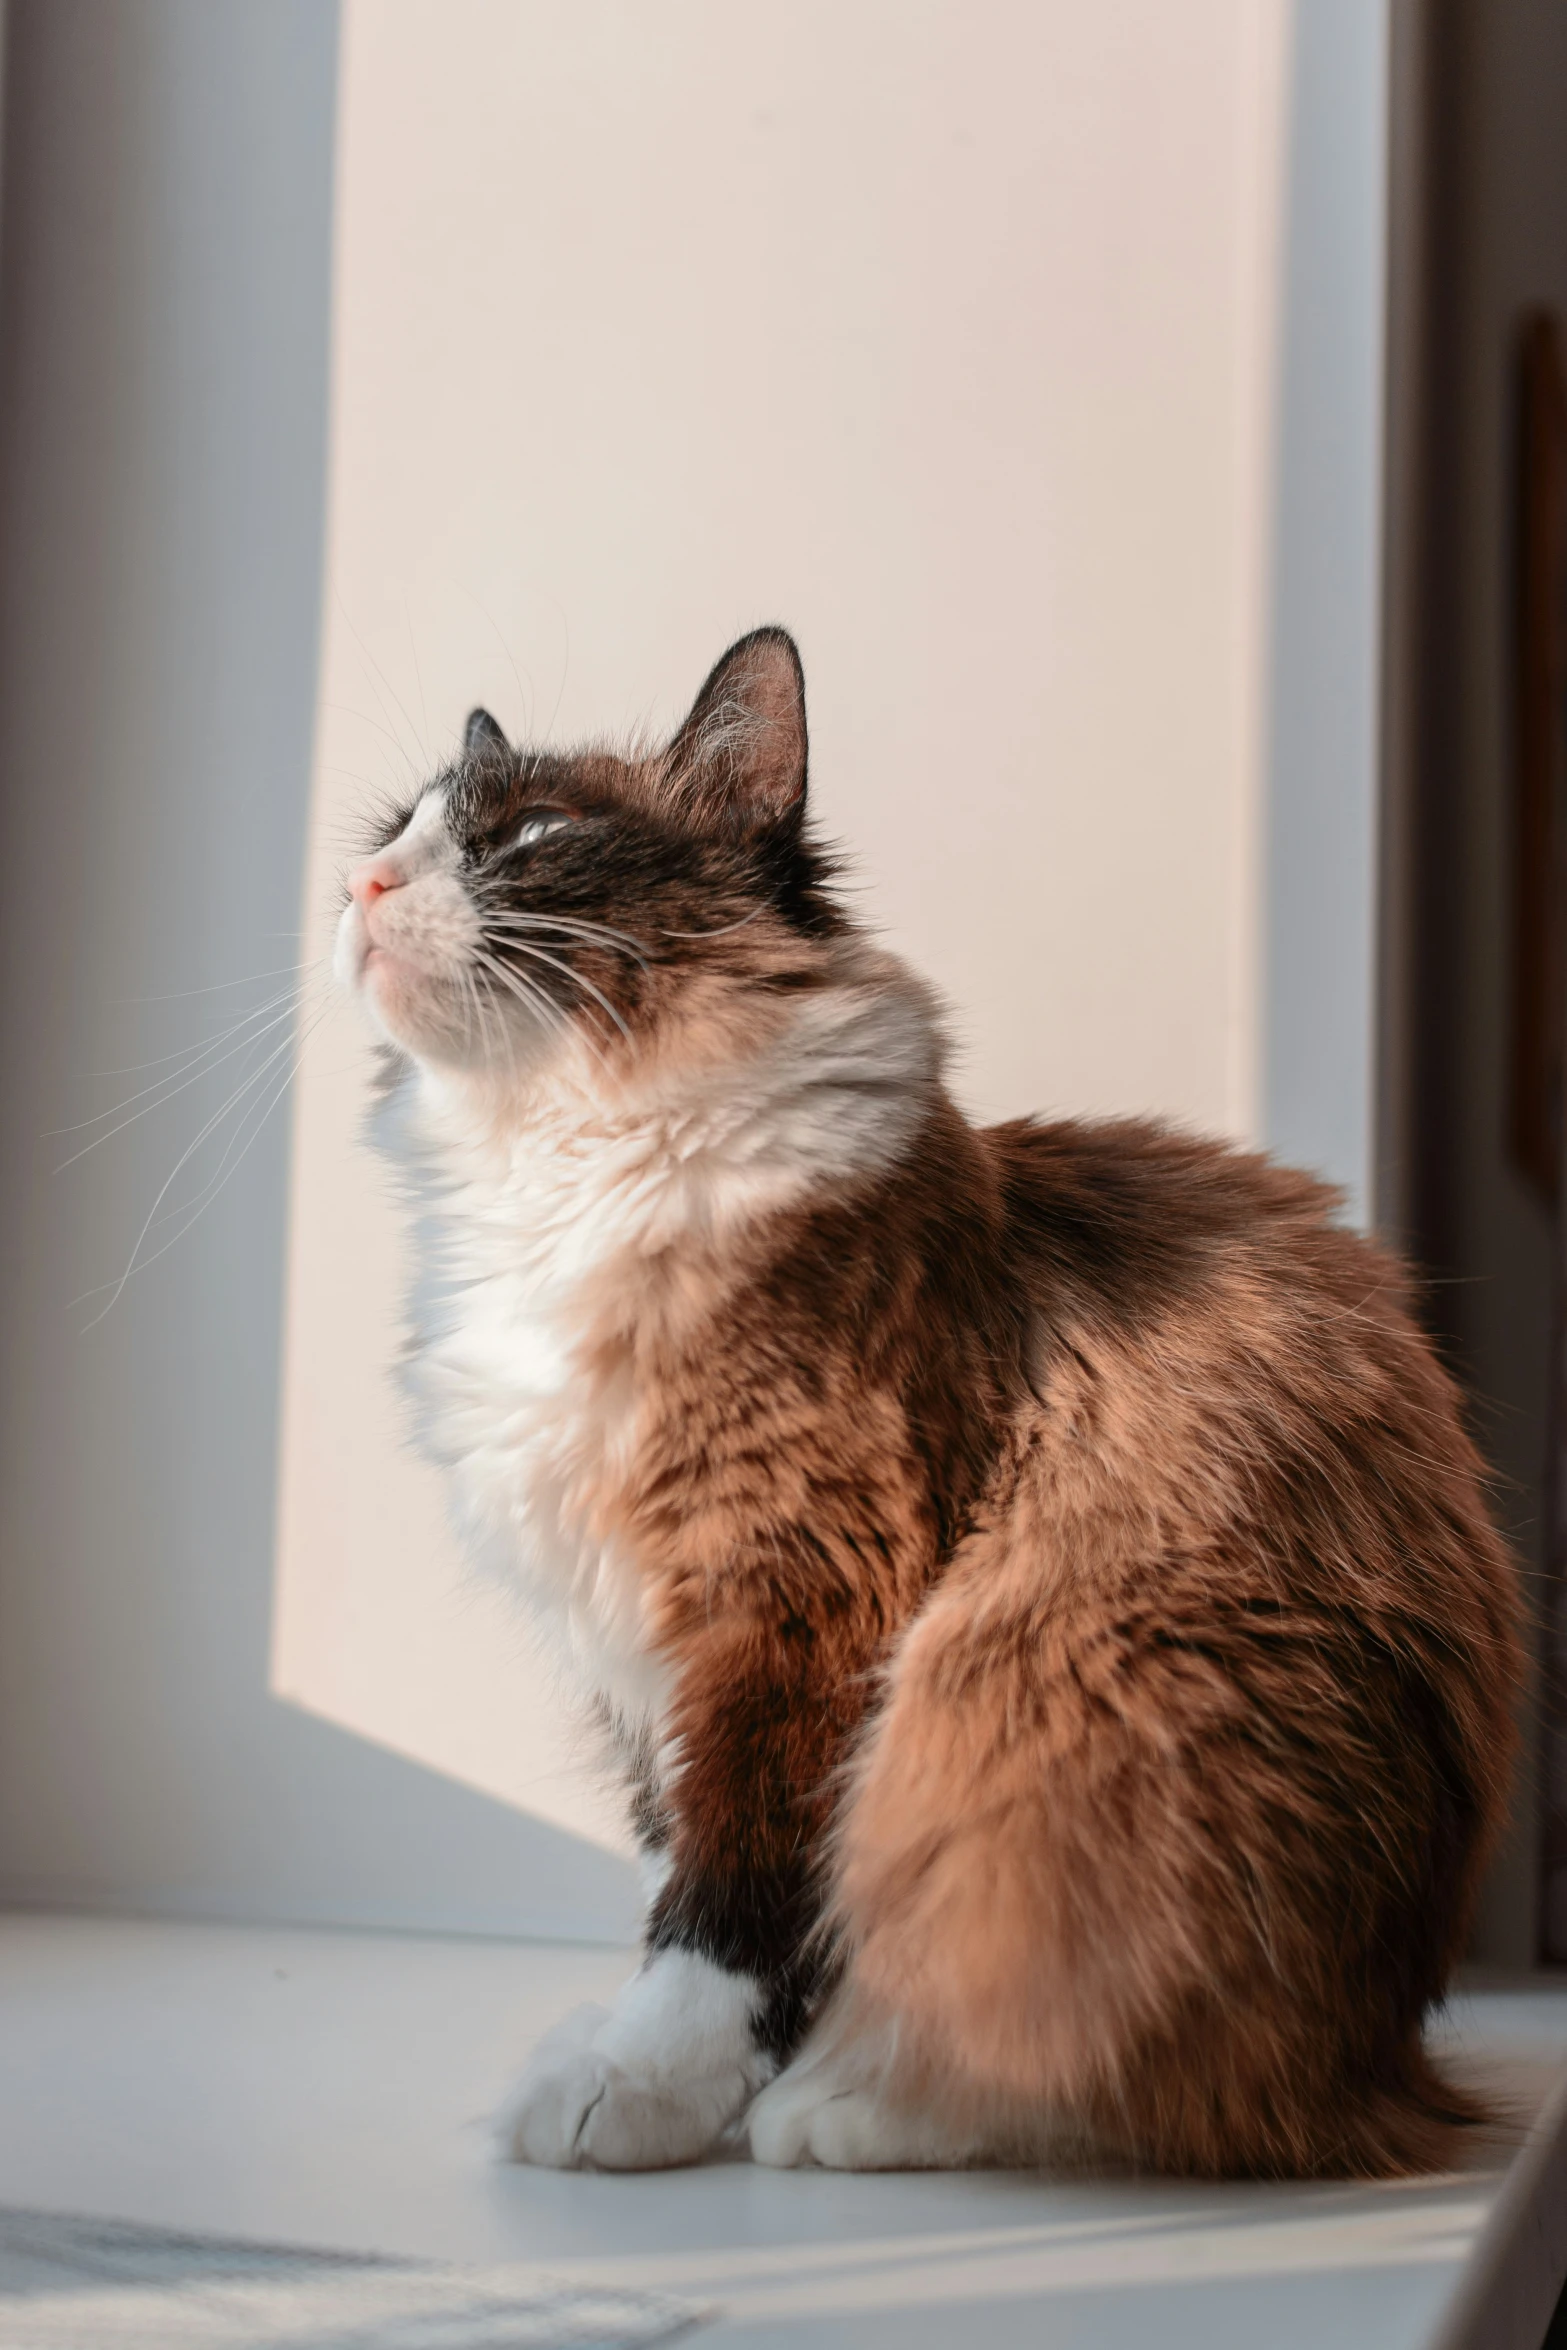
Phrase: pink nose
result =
(372, 880)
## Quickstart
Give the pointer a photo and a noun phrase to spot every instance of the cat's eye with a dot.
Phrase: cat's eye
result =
(540, 824)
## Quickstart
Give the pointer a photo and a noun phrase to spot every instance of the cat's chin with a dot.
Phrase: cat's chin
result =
(406, 1003)
(501, 1071)
(389, 996)
(397, 1005)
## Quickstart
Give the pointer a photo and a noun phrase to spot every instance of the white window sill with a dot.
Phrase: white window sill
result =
(330, 2089)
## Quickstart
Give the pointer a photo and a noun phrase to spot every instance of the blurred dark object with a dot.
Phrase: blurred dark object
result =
(1556, 2331)
(1540, 990)
(1540, 755)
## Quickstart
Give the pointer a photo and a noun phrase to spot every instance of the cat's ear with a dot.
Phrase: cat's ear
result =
(743, 748)
(482, 735)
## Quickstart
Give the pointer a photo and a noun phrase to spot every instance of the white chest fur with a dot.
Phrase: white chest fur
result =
(533, 1421)
(541, 1237)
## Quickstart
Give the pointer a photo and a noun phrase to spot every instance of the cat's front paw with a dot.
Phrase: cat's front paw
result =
(590, 2115)
(831, 2111)
(579, 2107)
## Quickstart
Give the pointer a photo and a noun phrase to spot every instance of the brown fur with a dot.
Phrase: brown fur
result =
(1091, 1660)
(1103, 1490)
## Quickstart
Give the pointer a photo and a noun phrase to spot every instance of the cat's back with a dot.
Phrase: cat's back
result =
(1202, 1323)
(1133, 1220)
(1154, 1243)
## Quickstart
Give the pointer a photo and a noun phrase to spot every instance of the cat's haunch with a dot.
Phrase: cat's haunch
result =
(1035, 1578)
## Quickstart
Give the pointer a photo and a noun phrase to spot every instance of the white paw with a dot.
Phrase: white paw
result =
(609, 2091)
(585, 2113)
(822, 2110)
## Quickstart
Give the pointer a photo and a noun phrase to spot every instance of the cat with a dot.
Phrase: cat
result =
(1035, 1579)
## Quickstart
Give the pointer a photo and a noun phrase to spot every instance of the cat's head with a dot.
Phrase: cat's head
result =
(528, 899)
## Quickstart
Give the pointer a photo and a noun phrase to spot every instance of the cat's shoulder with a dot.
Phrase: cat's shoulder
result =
(1141, 1212)
(1123, 1167)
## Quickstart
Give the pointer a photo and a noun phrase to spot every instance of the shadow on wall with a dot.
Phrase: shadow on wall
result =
(166, 283)
(1325, 593)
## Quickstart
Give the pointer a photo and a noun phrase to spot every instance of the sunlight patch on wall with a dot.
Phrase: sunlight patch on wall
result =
(951, 351)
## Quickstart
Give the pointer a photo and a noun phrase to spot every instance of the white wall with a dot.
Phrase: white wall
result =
(947, 335)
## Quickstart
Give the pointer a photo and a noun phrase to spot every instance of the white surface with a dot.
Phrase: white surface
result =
(329, 2089)
(945, 335)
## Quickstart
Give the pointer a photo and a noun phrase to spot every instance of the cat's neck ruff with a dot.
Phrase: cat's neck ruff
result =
(569, 1227)
(736, 1117)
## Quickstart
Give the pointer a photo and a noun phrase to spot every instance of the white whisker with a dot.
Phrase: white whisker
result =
(256, 1077)
(166, 1089)
(517, 984)
(522, 921)
(209, 1191)
(215, 1180)
(253, 979)
(185, 1054)
(519, 946)
(534, 999)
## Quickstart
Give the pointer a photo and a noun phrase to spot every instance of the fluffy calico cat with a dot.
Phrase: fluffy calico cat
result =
(1035, 1578)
